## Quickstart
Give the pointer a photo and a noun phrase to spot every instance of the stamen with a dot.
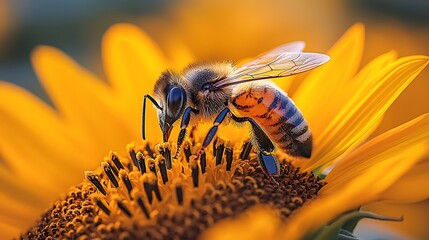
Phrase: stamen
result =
(195, 171)
(152, 166)
(187, 150)
(94, 180)
(228, 156)
(122, 207)
(143, 207)
(149, 150)
(126, 180)
(214, 146)
(220, 147)
(165, 151)
(153, 182)
(112, 166)
(163, 170)
(203, 162)
(115, 159)
(147, 188)
(167, 156)
(217, 196)
(101, 205)
(155, 188)
(179, 194)
(132, 153)
(247, 148)
(108, 170)
(141, 162)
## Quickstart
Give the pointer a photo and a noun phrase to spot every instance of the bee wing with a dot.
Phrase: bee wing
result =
(274, 64)
(297, 46)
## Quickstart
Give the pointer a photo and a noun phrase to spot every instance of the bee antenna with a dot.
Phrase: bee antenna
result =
(144, 112)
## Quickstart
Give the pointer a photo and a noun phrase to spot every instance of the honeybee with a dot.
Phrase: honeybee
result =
(219, 91)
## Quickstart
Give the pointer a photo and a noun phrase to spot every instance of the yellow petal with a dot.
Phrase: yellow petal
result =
(8, 231)
(320, 87)
(361, 177)
(395, 141)
(32, 135)
(15, 213)
(412, 187)
(86, 103)
(360, 116)
(22, 191)
(359, 191)
(256, 223)
(370, 70)
(177, 53)
(133, 62)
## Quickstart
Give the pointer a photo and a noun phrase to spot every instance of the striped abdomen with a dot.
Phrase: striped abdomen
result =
(277, 115)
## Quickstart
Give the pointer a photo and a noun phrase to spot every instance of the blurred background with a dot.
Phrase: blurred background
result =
(219, 30)
(216, 30)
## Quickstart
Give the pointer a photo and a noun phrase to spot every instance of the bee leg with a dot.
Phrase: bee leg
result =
(265, 158)
(144, 112)
(212, 132)
(184, 124)
(269, 163)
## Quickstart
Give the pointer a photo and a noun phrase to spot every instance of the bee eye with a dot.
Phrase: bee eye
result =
(205, 87)
(175, 101)
(208, 86)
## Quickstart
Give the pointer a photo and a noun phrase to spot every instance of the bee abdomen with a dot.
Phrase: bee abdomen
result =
(293, 136)
(278, 116)
(290, 130)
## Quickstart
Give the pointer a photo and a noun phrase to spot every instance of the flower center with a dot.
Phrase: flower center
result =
(150, 195)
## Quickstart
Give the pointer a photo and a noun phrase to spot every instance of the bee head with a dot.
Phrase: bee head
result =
(173, 101)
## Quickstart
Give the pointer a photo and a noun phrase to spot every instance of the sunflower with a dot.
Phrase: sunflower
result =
(143, 192)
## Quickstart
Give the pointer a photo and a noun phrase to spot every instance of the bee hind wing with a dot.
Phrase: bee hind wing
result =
(297, 46)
